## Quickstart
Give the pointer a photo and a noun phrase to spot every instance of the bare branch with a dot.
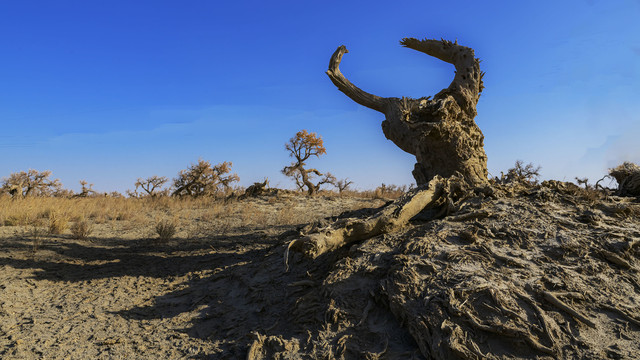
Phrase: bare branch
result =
(356, 94)
(468, 74)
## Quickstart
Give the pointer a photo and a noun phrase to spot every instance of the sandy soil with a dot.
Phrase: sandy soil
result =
(549, 273)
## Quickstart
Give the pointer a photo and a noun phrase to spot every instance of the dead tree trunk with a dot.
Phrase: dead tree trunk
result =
(440, 132)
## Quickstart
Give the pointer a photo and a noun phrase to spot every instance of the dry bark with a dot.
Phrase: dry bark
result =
(440, 132)
(258, 188)
(628, 177)
(392, 217)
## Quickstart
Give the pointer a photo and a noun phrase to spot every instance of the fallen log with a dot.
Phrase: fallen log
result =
(391, 218)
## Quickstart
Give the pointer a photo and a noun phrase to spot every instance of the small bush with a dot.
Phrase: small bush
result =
(166, 229)
(57, 223)
(11, 220)
(81, 229)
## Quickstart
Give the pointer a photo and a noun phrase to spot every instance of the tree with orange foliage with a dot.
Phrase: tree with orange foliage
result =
(301, 147)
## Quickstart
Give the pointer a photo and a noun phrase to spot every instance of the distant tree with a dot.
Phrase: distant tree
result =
(342, 184)
(301, 147)
(584, 182)
(203, 179)
(390, 191)
(86, 190)
(151, 185)
(521, 173)
(31, 183)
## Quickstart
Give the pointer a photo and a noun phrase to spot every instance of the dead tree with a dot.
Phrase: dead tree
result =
(258, 188)
(342, 184)
(86, 191)
(440, 132)
(151, 185)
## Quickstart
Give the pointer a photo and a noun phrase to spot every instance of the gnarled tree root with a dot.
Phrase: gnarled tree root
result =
(392, 217)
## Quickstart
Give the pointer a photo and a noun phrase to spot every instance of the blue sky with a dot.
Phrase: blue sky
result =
(112, 91)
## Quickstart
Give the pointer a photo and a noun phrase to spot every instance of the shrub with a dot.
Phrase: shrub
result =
(57, 223)
(81, 229)
(521, 173)
(166, 229)
(35, 233)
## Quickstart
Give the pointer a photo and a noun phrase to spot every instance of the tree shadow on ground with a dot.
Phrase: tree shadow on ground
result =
(231, 286)
(76, 261)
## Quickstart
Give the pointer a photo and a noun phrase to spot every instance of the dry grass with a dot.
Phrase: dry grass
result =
(198, 218)
(166, 229)
(58, 223)
(34, 232)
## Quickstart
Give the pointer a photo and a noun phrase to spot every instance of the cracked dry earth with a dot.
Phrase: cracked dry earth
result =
(543, 272)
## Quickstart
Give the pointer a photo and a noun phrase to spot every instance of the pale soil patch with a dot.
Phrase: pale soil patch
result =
(121, 294)
(551, 272)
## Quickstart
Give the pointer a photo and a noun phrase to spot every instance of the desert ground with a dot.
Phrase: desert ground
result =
(525, 271)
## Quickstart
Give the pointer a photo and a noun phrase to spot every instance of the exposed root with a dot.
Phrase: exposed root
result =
(391, 218)
(561, 305)
(630, 318)
(509, 332)
(545, 320)
(476, 215)
(611, 257)
(365, 312)
(286, 256)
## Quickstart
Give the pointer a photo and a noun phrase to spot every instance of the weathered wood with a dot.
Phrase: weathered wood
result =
(573, 312)
(440, 132)
(628, 177)
(390, 218)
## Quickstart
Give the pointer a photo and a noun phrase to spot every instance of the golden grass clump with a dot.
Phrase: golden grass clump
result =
(81, 229)
(58, 223)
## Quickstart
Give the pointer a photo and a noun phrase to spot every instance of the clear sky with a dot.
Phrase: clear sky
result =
(109, 91)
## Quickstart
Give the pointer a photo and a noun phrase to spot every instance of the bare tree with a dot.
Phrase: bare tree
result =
(86, 190)
(31, 183)
(151, 185)
(203, 179)
(522, 173)
(440, 132)
(342, 184)
(301, 147)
